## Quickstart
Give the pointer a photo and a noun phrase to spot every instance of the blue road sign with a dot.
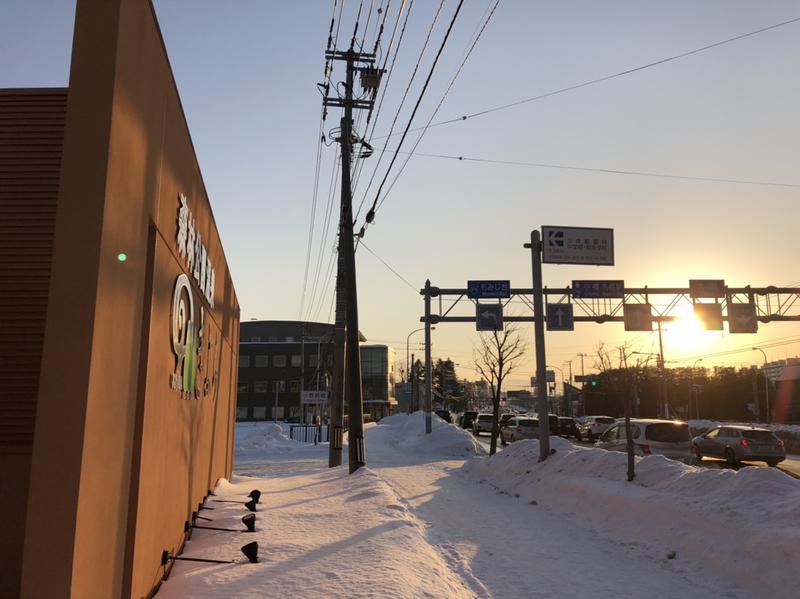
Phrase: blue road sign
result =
(488, 289)
(489, 317)
(598, 289)
(560, 317)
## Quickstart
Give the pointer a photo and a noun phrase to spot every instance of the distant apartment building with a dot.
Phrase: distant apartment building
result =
(285, 370)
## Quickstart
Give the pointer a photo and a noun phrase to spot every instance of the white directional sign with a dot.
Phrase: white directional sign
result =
(577, 245)
(313, 397)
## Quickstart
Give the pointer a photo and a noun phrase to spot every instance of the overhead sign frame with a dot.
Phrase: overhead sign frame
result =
(578, 245)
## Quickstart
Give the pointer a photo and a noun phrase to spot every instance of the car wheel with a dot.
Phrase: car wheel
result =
(731, 458)
(697, 453)
(772, 463)
(591, 437)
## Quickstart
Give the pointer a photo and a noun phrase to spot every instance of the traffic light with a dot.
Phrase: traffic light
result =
(593, 382)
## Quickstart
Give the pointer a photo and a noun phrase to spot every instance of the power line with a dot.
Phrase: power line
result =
(608, 77)
(601, 170)
(441, 101)
(383, 97)
(371, 212)
(397, 274)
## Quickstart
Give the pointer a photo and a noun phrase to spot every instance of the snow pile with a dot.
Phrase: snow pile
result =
(742, 525)
(255, 441)
(324, 534)
(405, 434)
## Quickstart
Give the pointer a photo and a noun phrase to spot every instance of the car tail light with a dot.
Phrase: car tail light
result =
(780, 442)
(744, 442)
(596, 425)
(645, 449)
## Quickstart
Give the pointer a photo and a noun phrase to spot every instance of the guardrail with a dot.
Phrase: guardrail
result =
(309, 433)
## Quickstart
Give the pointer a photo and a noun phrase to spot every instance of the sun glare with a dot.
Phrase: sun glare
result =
(686, 335)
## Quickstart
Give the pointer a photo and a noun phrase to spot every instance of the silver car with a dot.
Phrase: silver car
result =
(519, 427)
(740, 443)
(670, 438)
(592, 427)
(482, 424)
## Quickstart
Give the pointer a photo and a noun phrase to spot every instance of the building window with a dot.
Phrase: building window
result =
(313, 360)
(279, 385)
(279, 361)
(241, 413)
(294, 386)
(255, 339)
(260, 386)
(297, 360)
(244, 361)
(262, 361)
(243, 387)
(259, 413)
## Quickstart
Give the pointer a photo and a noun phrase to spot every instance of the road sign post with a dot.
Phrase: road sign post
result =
(538, 326)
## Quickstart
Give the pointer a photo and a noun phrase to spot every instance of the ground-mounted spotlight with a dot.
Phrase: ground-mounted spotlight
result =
(249, 520)
(250, 551)
(254, 495)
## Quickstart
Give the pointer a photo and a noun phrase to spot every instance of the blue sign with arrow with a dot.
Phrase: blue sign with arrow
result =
(489, 317)
(560, 317)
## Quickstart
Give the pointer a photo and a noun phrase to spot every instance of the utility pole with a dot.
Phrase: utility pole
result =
(336, 392)
(428, 373)
(582, 356)
(662, 387)
(346, 275)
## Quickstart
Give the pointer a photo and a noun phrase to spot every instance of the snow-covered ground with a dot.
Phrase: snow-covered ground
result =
(433, 516)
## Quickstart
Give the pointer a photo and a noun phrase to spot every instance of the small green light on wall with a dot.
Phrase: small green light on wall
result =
(122, 256)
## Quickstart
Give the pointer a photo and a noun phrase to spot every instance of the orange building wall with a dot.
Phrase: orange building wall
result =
(124, 454)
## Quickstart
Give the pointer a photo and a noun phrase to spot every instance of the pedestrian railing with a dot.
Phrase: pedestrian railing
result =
(309, 433)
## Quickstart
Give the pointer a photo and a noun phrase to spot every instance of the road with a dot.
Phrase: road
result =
(791, 465)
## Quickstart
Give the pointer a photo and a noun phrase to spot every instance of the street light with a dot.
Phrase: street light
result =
(692, 391)
(408, 358)
(766, 383)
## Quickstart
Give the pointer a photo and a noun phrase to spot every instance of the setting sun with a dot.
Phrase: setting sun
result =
(687, 335)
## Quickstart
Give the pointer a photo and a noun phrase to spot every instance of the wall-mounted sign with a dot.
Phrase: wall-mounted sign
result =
(193, 251)
(577, 245)
(313, 397)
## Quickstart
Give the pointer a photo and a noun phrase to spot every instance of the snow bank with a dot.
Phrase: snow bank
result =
(405, 434)
(254, 441)
(742, 524)
(324, 534)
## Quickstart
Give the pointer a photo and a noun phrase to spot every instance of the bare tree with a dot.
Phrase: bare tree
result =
(498, 356)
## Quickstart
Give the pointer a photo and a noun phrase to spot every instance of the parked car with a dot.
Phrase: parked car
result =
(593, 427)
(444, 415)
(519, 427)
(552, 420)
(740, 443)
(482, 424)
(466, 419)
(567, 427)
(670, 438)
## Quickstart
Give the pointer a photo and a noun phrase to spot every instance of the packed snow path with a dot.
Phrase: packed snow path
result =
(505, 547)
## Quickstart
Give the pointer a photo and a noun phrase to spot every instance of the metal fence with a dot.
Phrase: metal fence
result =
(309, 433)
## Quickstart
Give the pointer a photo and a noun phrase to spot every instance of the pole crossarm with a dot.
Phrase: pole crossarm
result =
(772, 304)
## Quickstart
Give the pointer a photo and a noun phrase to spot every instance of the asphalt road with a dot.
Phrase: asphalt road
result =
(791, 465)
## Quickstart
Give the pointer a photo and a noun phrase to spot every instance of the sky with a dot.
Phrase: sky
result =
(247, 73)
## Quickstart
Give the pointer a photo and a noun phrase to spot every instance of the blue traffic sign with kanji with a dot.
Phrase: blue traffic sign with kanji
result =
(489, 317)
(488, 289)
(560, 317)
(598, 289)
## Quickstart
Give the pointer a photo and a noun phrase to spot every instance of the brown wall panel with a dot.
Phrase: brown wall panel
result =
(31, 137)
